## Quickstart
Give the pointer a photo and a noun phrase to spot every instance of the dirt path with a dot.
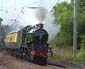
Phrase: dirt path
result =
(62, 51)
(10, 62)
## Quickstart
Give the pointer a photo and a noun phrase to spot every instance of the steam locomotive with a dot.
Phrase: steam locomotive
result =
(29, 43)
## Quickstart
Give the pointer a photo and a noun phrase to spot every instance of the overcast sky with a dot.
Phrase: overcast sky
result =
(14, 9)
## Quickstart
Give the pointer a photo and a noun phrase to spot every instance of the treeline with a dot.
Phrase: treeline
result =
(64, 16)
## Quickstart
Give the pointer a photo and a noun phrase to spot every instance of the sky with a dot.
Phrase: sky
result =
(28, 16)
(14, 7)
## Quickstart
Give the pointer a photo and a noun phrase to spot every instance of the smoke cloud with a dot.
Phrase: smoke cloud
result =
(51, 27)
(49, 22)
(41, 14)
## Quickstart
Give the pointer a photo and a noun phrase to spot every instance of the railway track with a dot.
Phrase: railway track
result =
(66, 64)
(6, 60)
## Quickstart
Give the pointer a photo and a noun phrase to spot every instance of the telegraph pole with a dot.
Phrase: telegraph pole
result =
(75, 31)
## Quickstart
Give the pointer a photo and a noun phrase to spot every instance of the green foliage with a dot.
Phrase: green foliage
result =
(81, 57)
(64, 16)
(1, 20)
(81, 54)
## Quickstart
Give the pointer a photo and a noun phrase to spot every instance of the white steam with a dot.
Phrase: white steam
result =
(48, 18)
(41, 14)
(51, 27)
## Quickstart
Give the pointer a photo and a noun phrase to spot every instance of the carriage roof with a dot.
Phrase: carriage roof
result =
(18, 29)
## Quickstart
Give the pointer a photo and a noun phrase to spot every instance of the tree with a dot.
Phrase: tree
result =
(64, 16)
(1, 20)
(0, 30)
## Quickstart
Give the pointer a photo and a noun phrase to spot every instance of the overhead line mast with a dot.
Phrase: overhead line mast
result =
(75, 31)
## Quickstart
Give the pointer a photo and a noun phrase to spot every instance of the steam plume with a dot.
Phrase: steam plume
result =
(41, 14)
(51, 27)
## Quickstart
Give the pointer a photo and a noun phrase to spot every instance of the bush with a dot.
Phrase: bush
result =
(81, 54)
(81, 57)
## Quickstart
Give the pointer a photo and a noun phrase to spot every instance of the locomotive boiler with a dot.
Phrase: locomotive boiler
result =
(29, 43)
